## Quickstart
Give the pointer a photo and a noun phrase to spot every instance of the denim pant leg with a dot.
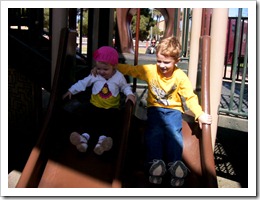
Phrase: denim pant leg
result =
(174, 138)
(154, 136)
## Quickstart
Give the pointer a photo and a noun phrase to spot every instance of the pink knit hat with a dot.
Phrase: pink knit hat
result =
(106, 54)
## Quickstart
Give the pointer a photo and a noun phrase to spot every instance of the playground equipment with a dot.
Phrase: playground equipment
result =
(124, 17)
(54, 162)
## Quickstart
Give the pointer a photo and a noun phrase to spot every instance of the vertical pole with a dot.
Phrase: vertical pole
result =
(243, 77)
(217, 56)
(207, 155)
(184, 21)
(105, 27)
(235, 59)
(80, 30)
(187, 31)
(136, 44)
(176, 22)
(59, 16)
(152, 27)
(93, 33)
(194, 45)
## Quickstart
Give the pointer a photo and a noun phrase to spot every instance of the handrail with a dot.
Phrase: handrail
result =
(206, 148)
(117, 181)
(37, 160)
(127, 116)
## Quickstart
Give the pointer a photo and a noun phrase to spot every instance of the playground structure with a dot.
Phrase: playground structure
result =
(49, 164)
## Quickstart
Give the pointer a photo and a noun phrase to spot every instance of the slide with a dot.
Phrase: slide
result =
(55, 163)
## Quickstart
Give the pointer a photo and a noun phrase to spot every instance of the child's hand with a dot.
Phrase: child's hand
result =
(204, 119)
(67, 94)
(131, 97)
(94, 71)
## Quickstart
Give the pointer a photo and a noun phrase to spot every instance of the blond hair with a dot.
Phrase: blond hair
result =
(169, 46)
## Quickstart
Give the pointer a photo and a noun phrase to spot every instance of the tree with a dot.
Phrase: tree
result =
(46, 19)
(156, 31)
(146, 21)
(84, 21)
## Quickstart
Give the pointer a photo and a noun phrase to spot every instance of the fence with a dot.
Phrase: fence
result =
(235, 89)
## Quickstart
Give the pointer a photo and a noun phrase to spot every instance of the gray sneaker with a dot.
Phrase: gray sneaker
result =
(177, 182)
(80, 141)
(158, 168)
(155, 179)
(178, 169)
(104, 144)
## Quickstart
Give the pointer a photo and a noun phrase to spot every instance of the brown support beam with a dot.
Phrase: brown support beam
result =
(207, 155)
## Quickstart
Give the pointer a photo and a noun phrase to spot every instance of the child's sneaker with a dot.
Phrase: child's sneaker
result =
(178, 171)
(158, 168)
(104, 144)
(177, 182)
(156, 171)
(155, 179)
(80, 141)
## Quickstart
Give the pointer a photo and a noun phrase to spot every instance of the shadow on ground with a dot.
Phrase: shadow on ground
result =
(231, 155)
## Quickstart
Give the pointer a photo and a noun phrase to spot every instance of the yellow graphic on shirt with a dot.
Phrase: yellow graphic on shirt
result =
(105, 92)
(160, 95)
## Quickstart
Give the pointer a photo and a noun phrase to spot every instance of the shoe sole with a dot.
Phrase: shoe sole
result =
(178, 170)
(155, 166)
(155, 179)
(105, 145)
(82, 147)
(76, 139)
(177, 182)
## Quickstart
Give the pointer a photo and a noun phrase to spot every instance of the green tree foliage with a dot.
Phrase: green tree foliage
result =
(84, 22)
(46, 18)
(146, 21)
(156, 31)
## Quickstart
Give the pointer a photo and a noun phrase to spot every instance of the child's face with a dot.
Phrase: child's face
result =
(165, 64)
(105, 70)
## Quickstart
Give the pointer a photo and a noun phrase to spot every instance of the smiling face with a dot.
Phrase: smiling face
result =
(165, 65)
(105, 70)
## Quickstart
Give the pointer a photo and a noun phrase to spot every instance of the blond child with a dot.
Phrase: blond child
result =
(167, 84)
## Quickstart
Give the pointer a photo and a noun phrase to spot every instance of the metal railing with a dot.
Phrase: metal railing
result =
(234, 99)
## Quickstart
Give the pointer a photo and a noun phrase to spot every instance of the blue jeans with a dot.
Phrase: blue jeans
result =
(163, 137)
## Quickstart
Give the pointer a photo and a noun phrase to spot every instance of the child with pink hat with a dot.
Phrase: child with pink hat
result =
(104, 101)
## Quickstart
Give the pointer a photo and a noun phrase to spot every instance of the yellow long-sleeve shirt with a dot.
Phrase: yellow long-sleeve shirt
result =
(162, 91)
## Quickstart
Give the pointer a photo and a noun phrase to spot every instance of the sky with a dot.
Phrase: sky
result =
(233, 12)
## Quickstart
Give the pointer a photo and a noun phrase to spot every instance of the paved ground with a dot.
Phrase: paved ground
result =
(231, 158)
